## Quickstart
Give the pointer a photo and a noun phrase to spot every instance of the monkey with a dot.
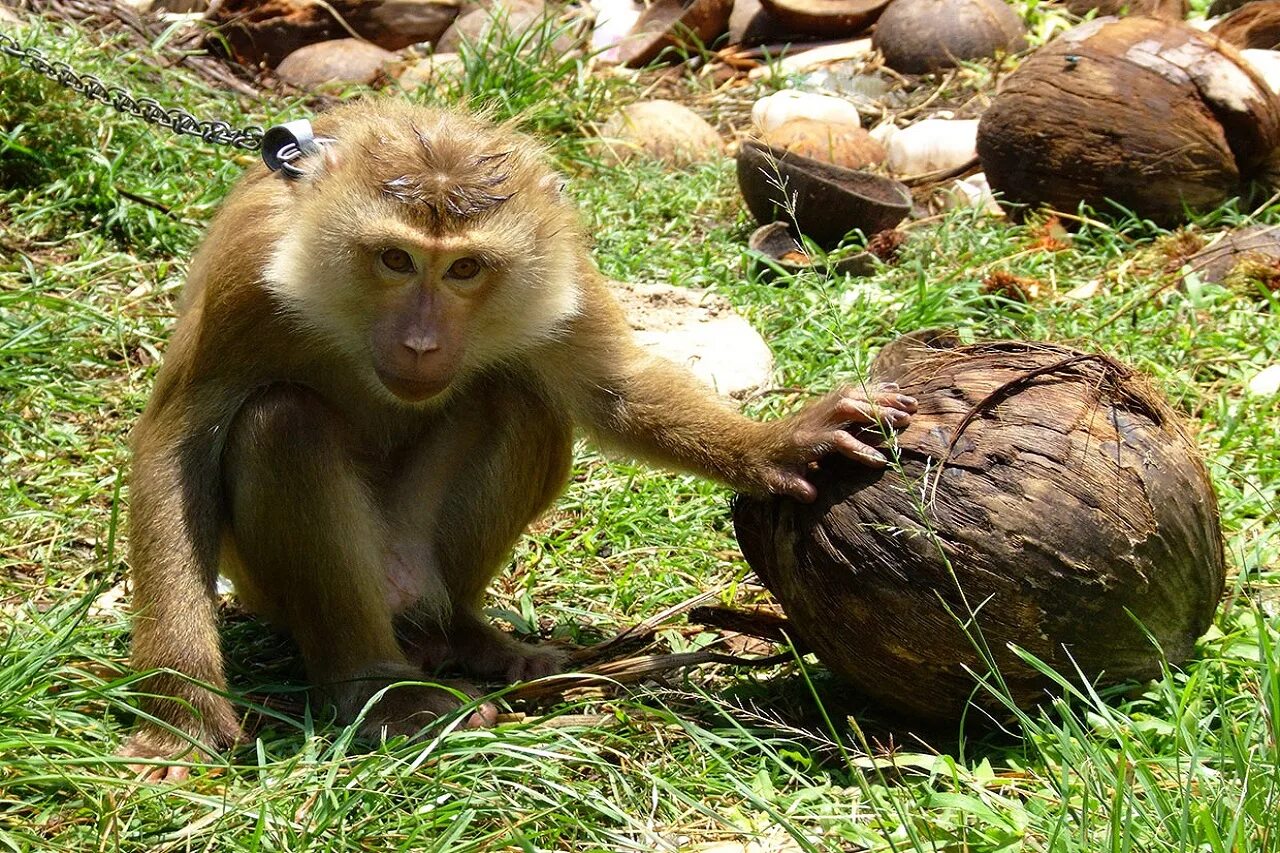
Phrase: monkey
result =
(372, 388)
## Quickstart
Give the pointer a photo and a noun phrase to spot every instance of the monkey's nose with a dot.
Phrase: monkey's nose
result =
(421, 344)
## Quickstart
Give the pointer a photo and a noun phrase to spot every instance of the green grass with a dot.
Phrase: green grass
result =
(783, 758)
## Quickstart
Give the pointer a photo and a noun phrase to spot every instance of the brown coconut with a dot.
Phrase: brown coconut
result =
(266, 31)
(1254, 25)
(841, 144)
(919, 36)
(1153, 115)
(1169, 10)
(1050, 492)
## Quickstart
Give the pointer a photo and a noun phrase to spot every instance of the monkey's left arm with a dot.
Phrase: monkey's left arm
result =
(654, 409)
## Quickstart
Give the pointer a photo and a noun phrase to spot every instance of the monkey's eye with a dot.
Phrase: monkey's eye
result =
(463, 268)
(397, 260)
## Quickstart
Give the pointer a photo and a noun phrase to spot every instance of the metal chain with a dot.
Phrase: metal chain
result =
(149, 110)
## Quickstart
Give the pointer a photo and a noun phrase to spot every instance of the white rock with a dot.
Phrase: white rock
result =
(700, 331)
(882, 133)
(814, 58)
(973, 191)
(1088, 290)
(932, 145)
(614, 20)
(773, 111)
(1266, 383)
(1267, 64)
(429, 71)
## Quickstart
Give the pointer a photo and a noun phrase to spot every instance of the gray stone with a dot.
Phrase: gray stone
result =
(701, 331)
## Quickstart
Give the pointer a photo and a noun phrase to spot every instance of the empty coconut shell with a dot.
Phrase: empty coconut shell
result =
(776, 244)
(827, 18)
(1050, 492)
(680, 24)
(1254, 25)
(841, 144)
(1153, 115)
(751, 24)
(919, 36)
(826, 201)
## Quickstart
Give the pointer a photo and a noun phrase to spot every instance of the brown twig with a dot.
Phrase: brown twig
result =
(631, 670)
(759, 623)
(941, 174)
(641, 632)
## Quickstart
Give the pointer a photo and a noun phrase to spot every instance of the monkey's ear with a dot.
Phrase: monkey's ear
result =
(324, 160)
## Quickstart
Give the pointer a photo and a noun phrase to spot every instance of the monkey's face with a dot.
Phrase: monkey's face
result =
(427, 248)
(427, 296)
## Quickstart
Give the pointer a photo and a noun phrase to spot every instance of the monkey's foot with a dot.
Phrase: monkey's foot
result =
(152, 745)
(404, 710)
(483, 651)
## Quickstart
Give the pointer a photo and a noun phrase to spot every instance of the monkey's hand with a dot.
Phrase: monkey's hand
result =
(847, 421)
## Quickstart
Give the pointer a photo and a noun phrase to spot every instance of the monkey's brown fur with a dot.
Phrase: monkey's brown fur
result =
(359, 446)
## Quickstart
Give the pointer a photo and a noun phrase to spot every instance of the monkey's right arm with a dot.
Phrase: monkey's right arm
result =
(175, 509)
(657, 410)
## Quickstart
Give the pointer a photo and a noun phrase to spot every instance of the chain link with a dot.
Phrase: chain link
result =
(149, 110)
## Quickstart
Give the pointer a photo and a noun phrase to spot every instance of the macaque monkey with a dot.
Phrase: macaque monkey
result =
(371, 391)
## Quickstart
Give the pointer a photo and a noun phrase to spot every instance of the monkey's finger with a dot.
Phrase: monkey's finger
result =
(894, 400)
(483, 717)
(160, 773)
(855, 411)
(851, 448)
(785, 482)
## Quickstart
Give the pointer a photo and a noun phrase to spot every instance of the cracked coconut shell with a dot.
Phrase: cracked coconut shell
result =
(1155, 116)
(1072, 514)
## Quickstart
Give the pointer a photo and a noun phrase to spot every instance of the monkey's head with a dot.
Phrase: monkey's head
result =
(426, 245)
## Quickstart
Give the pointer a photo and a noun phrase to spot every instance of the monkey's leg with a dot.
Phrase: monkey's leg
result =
(311, 542)
(173, 564)
(495, 487)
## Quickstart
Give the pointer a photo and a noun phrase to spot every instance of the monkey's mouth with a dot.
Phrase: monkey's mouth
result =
(411, 390)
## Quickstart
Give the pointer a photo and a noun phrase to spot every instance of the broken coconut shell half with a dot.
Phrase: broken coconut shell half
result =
(828, 18)
(682, 25)
(1155, 116)
(776, 249)
(1045, 499)
(825, 202)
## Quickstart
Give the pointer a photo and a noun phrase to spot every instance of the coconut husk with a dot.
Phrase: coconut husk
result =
(1254, 25)
(1153, 115)
(1216, 261)
(1046, 498)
